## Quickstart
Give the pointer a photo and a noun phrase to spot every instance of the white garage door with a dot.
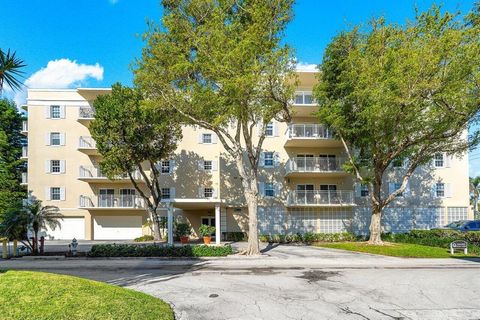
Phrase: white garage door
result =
(117, 227)
(69, 228)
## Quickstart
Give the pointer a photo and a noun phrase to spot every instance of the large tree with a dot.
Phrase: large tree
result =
(11, 167)
(10, 70)
(396, 92)
(222, 65)
(132, 135)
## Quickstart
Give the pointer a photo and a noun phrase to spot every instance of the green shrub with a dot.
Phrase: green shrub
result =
(144, 238)
(152, 250)
(206, 230)
(436, 238)
(264, 238)
(236, 236)
(182, 230)
(308, 237)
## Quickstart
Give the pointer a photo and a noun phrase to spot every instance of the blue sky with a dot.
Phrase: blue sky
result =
(94, 42)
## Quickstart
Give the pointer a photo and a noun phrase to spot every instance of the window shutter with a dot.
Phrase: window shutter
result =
(200, 138)
(214, 165)
(358, 190)
(447, 160)
(214, 193)
(62, 112)
(47, 112)
(261, 189)
(214, 138)
(47, 193)
(261, 161)
(47, 139)
(172, 166)
(278, 189)
(47, 166)
(434, 190)
(201, 194)
(276, 159)
(275, 129)
(172, 192)
(62, 166)
(448, 190)
(200, 165)
(62, 193)
(62, 139)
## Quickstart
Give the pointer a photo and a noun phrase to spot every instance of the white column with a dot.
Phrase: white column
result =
(170, 223)
(217, 223)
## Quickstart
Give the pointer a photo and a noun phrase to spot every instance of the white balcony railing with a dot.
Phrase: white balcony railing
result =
(319, 197)
(304, 98)
(24, 126)
(94, 172)
(86, 113)
(309, 131)
(315, 164)
(24, 178)
(112, 201)
(24, 152)
(86, 143)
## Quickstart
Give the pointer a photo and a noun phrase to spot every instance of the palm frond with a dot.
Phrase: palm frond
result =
(10, 70)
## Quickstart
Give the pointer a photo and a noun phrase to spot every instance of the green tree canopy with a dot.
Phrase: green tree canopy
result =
(221, 64)
(396, 92)
(132, 134)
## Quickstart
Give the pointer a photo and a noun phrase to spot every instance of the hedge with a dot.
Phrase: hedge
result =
(308, 237)
(144, 238)
(152, 250)
(437, 238)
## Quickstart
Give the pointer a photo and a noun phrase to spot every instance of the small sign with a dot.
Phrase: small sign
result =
(459, 245)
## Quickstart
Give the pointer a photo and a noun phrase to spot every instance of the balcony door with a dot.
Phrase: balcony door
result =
(127, 198)
(327, 162)
(305, 162)
(305, 193)
(105, 198)
(328, 193)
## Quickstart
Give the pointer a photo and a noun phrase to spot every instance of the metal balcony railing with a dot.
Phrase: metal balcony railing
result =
(86, 113)
(319, 197)
(309, 130)
(96, 172)
(87, 143)
(304, 98)
(24, 178)
(24, 126)
(24, 152)
(112, 201)
(315, 164)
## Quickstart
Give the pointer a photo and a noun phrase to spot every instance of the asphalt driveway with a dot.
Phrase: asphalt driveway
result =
(292, 282)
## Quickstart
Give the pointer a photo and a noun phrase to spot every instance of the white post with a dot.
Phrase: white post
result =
(170, 223)
(217, 224)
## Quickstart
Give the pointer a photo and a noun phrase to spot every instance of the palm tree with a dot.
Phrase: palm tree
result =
(475, 194)
(10, 70)
(40, 217)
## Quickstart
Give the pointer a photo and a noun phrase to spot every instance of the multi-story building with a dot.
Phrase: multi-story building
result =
(302, 184)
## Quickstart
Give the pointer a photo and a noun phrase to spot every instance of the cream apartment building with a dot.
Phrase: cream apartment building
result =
(303, 187)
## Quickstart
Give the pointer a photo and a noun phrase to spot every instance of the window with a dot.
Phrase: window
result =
(55, 139)
(397, 186)
(364, 190)
(55, 166)
(269, 130)
(440, 190)
(269, 189)
(165, 193)
(207, 165)
(55, 193)
(127, 197)
(438, 160)
(397, 163)
(55, 112)
(207, 138)
(268, 159)
(165, 166)
(208, 192)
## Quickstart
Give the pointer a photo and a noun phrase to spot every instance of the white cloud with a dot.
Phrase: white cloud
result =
(306, 67)
(60, 74)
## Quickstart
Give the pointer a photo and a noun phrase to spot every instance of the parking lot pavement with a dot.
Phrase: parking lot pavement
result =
(291, 282)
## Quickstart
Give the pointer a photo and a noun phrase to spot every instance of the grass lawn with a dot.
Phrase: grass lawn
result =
(395, 249)
(38, 295)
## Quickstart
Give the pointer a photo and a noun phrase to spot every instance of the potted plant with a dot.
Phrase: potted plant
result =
(206, 232)
(183, 231)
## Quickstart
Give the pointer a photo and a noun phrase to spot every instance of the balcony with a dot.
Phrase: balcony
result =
(304, 104)
(313, 166)
(24, 153)
(24, 179)
(105, 202)
(310, 135)
(87, 145)
(94, 174)
(319, 198)
(24, 127)
(86, 115)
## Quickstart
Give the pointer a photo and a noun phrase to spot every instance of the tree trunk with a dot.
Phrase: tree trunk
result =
(157, 236)
(376, 226)
(35, 242)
